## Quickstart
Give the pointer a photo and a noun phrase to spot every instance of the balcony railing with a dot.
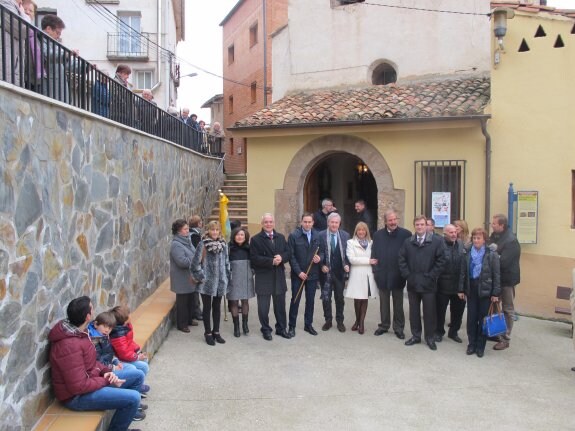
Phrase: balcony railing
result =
(33, 60)
(129, 46)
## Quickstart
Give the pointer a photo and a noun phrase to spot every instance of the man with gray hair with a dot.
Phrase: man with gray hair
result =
(334, 269)
(385, 249)
(320, 216)
(269, 252)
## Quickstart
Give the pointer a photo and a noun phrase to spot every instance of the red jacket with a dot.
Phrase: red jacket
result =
(75, 370)
(122, 338)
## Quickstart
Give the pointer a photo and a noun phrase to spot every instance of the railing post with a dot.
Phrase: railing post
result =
(510, 202)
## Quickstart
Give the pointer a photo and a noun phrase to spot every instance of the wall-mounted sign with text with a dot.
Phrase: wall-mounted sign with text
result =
(527, 215)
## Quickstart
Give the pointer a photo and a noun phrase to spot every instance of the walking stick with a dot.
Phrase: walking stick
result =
(293, 300)
(225, 310)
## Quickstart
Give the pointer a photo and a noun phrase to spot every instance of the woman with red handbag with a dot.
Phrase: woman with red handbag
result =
(480, 283)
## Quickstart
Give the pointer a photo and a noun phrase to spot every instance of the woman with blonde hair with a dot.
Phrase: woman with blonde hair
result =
(361, 285)
(213, 255)
(462, 231)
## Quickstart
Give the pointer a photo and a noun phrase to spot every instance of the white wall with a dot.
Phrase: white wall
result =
(328, 47)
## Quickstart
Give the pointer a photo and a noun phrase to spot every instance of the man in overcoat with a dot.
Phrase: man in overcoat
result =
(385, 248)
(334, 268)
(509, 252)
(269, 252)
(421, 260)
(305, 253)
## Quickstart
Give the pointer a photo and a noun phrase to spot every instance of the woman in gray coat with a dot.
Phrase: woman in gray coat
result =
(216, 273)
(241, 287)
(181, 281)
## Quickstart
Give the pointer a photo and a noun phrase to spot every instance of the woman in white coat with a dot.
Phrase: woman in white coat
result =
(361, 285)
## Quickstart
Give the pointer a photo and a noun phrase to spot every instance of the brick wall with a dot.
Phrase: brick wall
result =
(246, 69)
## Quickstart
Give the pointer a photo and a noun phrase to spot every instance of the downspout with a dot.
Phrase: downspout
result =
(265, 33)
(487, 173)
(159, 44)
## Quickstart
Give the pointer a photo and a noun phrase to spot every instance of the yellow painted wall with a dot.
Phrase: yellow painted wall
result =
(533, 126)
(269, 158)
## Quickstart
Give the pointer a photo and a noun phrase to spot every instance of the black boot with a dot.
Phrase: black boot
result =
(245, 324)
(236, 326)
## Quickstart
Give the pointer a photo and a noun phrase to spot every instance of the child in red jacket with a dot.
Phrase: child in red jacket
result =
(122, 339)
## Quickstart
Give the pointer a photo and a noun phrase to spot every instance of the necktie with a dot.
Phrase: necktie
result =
(420, 240)
(333, 244)
(308, 237)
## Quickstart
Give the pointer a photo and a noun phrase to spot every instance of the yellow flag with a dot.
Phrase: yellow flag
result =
(224, 217)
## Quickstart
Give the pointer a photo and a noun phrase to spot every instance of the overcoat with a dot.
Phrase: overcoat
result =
(421, 264)
(215, 266)
(181, 257)
(302, 253)
(385, 249)
(361, 284)
(509, 251)
(448, 282)
(269, 279)
(241, 284)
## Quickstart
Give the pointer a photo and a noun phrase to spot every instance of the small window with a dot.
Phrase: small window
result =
(231, 54)
(440, 176)
(231, 145)
(253, 91)
(559, 42)
(253, 34)
(540, 32)
(523, 47)
(231, 105)
(144, 79)
(572, 199)
(384, 74)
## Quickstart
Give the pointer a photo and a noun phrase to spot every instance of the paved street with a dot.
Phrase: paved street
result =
(349, 381)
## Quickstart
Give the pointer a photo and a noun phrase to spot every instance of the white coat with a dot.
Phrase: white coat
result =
(361, 284)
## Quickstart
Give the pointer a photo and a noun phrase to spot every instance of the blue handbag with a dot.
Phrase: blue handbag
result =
(494, 323)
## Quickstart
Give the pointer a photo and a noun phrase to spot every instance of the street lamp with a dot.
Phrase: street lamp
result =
(190, 75)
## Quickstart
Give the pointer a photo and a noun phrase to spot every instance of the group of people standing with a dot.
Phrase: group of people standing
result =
(455, 270)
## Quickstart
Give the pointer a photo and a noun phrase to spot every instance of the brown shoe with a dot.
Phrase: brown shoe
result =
(502, 345)
(340, 327)
(326, 325)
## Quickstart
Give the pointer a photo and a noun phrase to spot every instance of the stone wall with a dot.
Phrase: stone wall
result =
(86, 207)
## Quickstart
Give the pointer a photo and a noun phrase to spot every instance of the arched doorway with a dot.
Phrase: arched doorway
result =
(344, 178)
(289, 201)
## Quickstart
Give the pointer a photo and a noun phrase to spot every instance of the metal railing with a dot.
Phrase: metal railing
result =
(31, 59)
(127, 45)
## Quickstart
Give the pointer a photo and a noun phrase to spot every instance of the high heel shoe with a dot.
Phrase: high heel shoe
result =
(218, 337)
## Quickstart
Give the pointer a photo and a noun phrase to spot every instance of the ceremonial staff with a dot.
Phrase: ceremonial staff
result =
(293, 300)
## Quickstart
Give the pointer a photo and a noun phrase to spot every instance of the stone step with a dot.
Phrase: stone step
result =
(232, 212)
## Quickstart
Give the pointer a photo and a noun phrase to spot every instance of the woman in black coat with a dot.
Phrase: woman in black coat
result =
(480, 283)
(241, 286)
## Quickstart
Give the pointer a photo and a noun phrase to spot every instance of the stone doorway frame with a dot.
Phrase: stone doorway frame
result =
(288, 205)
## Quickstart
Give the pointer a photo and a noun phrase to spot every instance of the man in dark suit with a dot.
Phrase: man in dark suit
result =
(334, 269)
(385, 248)
(364, 215)
(305, 253)
(421, 260)
(268, 254)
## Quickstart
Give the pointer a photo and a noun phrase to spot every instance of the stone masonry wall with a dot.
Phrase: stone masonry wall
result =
(86, 207)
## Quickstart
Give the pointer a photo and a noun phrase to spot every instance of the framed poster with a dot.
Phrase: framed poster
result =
(527, 215)
(441, 208)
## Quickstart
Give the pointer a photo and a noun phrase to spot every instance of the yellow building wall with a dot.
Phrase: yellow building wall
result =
(533, 133)
(269, 158)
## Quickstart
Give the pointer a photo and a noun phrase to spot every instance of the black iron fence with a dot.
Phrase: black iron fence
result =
(33, 60)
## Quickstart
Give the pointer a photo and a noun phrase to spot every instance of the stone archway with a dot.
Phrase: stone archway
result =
(289, 200)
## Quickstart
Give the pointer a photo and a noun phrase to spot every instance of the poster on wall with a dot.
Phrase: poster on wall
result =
(527, 215)
(441, 208)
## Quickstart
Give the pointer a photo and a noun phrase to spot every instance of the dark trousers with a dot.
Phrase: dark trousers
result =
(456, 309)
(196, 308)
(477, 309)
(337, 287)
(279, 312)
(212, 304)
(184, 310)
(385, 312)
(309, 292)
(429, 314)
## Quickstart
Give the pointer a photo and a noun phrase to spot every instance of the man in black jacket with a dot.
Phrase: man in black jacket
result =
(269, 253)
(305, 253)
(334, 268)
(385, 248)
(509, 252)
(421, 260)
(448, 286)
(320, 216)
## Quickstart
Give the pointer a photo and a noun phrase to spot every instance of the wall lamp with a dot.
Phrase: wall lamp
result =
(500, 16)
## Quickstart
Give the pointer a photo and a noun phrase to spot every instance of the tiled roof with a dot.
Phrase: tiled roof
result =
(533, 8)
(423, 100)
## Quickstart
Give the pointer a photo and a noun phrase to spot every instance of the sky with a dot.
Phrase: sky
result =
(203, 48)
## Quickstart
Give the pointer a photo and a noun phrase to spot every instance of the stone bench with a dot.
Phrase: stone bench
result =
(152, 321)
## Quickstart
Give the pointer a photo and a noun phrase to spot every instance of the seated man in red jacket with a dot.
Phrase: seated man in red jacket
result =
(80, 382)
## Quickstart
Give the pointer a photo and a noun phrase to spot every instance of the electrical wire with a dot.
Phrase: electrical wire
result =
(427, 10)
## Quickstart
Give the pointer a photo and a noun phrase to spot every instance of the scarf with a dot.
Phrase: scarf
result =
(363, 242)
(213, 245)
(476, 262)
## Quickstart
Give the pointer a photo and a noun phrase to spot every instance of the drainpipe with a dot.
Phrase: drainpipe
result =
(265, 33)
(487, 173)
(159, 51)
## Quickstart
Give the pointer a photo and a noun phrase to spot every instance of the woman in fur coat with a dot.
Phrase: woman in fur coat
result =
(213, 252)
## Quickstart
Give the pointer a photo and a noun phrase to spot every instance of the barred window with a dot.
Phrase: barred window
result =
(435, 176)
